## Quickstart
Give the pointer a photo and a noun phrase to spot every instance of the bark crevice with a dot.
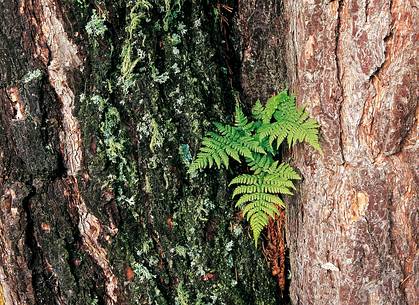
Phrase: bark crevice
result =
(341, 94)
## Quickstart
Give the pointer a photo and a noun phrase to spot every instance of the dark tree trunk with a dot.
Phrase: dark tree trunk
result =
(99, 117)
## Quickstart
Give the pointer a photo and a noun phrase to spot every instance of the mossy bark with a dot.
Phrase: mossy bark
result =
(103, 104)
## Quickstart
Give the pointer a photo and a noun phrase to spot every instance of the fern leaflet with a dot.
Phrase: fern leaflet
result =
(258, 194)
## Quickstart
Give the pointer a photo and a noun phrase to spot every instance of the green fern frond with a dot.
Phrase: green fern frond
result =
(258, 206)
(258, 222)
(258, 193)
(311, 133)
(226, 130)
(263, 183)
(271, 106)
(264, 188)
(293, 124)
(240, 120)
(252, 144)
(245, 179)
(218, 147)
(264, 143)
(257, 110)
(259, 196)
(284, 170)
(259, 163)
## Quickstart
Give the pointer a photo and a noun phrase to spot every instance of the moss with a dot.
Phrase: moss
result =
(185, 154)
(32, 75)
(148, 104)
(96, 26)
(156, 137)
(138, 12)
(182, 296)
(172, 9)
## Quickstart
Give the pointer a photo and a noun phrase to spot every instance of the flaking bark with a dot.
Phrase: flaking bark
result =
(351, 227)
(95, 202)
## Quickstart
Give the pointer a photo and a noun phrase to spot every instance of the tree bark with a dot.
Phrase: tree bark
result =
(352, 228)
(103, 104)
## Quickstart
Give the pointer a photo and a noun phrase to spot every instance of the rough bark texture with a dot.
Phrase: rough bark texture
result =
(259, 28)
(102, 105)
(352, 228)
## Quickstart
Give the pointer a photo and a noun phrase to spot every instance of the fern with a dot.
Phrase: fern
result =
(258, 194)
(290, 122)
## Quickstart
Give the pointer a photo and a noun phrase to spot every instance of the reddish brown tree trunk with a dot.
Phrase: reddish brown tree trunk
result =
(352, 228)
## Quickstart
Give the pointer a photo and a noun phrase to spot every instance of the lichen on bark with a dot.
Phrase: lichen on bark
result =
(117, 220)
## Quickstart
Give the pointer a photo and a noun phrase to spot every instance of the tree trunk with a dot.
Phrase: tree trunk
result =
(103, 105)
(352, 228)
